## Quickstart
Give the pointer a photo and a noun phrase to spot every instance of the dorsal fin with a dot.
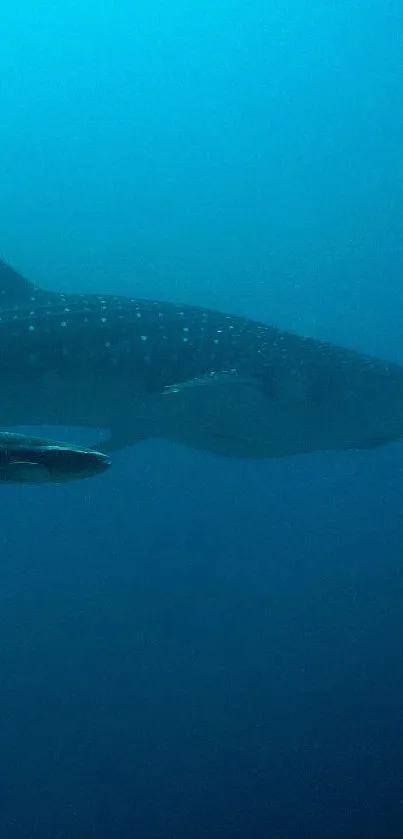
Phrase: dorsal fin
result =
(13, 287)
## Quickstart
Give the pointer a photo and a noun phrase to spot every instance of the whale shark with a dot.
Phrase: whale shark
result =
(139, 369)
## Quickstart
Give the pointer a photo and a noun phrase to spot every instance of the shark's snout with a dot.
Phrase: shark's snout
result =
(66, 463)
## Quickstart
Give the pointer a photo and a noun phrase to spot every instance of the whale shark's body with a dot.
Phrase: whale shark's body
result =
(141, 368)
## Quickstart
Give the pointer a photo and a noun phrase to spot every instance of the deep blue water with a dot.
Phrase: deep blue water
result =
(192, 647)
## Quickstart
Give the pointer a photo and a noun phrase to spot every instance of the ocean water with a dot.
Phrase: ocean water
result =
(192, 647)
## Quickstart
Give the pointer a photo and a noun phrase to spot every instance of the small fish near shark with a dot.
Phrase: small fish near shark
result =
(225, 384)
(34, 460)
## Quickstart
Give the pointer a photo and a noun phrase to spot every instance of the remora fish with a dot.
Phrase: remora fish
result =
(33, 460)
(141, 368)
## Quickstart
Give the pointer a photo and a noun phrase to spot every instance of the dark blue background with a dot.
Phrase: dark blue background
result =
(189, 646)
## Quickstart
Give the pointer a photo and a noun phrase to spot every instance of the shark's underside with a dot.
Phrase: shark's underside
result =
(143, 368)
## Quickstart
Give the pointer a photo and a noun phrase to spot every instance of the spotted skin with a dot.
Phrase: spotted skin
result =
(142, 368)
